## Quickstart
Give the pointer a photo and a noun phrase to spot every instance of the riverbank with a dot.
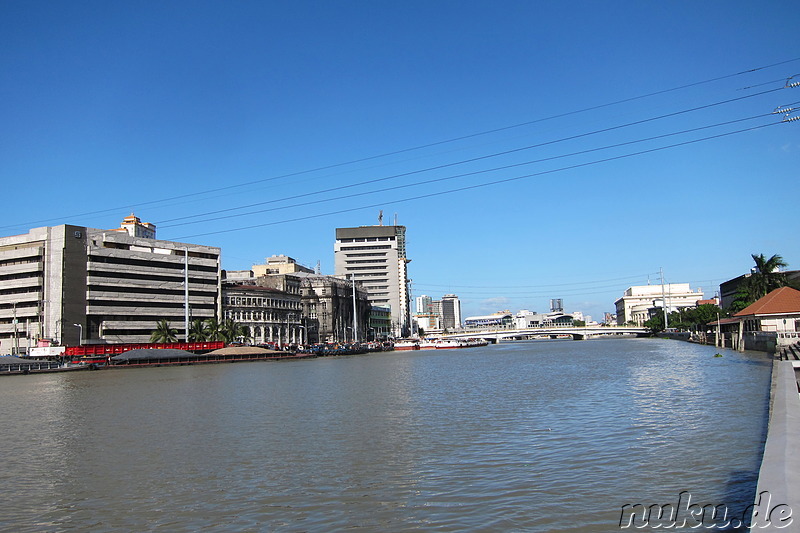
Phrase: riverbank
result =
(778, 492)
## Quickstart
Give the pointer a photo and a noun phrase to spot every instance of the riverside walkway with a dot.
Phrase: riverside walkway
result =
(778, 492)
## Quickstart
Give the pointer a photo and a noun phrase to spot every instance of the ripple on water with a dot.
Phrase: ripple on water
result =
(537, 436)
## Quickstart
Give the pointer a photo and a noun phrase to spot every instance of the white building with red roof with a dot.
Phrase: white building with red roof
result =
(769, 323)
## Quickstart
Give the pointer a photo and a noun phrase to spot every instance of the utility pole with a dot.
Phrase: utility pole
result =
(186, 292)
(16, 339)
(355, 314)
(664, 300)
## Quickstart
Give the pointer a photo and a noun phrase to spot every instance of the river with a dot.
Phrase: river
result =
(521, 436)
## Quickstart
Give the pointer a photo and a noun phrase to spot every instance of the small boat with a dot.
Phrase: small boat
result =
(407, 344)
(448, 344)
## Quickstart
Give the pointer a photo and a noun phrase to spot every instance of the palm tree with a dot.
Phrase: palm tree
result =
(765, 278)
(197, 331)
(768, 272)
(212, 329)
(164, 332)
(232, 331)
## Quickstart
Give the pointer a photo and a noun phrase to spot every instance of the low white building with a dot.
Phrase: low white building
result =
(526, 319)
(640, 302)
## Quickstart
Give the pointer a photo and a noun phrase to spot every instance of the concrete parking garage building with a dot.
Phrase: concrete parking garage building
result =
(74, 284)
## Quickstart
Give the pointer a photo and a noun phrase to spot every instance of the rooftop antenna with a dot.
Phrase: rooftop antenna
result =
(395, 219)
(380, 217)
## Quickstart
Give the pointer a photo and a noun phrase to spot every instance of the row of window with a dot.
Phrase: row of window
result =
(149, 263)
(368, 239)
(370, 254)
(22, 275)
(379, 247)
(359, 261)
(371, 267)
(177, 278)
(147, 303)
(260, 316)
(244, 301)
(31, 292)
(150, 290)
(21, 260)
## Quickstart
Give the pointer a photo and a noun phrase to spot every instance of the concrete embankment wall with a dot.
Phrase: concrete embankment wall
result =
(779, 475)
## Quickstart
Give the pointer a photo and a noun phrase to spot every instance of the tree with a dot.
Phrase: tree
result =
(579, 323)
(656, 323)
(197, 331)
(767, 277)
(212, 330)
(232, 331)
(164, 332)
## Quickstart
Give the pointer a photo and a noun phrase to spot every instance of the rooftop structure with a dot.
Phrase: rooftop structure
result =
(279, 264)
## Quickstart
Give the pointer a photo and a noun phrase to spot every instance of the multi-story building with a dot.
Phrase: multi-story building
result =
(423, 304)
(73, 284)
(376, 256)
(428, 322)
(328, 308)
(451, 312)
(380, 323)
(268, 306)
(641, 302)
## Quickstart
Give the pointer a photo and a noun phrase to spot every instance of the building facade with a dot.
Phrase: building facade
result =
(423, 304)
(328, 309)
(639, 303)
(268, 306)
(451, 312)
(73, 284)
(380, 323)
(376, 257)
(279, 264)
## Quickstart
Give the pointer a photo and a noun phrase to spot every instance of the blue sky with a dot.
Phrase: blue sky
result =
(185, 112)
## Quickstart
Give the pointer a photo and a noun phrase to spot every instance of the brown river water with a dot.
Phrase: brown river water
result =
(525, 436)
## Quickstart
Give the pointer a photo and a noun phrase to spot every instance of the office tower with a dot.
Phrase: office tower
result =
(376, 256)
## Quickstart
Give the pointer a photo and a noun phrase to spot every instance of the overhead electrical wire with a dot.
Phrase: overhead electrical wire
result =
(471, 160)
(429, 181)
(549, 285)
(480, 185)
(420, 147)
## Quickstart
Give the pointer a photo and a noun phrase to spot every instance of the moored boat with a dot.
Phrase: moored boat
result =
(407, 344)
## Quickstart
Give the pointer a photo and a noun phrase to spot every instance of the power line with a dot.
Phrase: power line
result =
(419, 147)
(480, 185)
(471, 160)
(633, 276)
(429, 181)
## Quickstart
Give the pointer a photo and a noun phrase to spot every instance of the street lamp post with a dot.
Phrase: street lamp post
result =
(80, 334)
(16, 338)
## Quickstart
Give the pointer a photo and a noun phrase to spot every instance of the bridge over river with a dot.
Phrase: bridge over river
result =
(577, 333)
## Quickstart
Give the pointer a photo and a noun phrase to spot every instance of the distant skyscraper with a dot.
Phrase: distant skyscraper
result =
(556, 305)
(423, 304)
(376, 256)
(451, 311)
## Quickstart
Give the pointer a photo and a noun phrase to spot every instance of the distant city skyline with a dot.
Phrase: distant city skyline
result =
(534, 151)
